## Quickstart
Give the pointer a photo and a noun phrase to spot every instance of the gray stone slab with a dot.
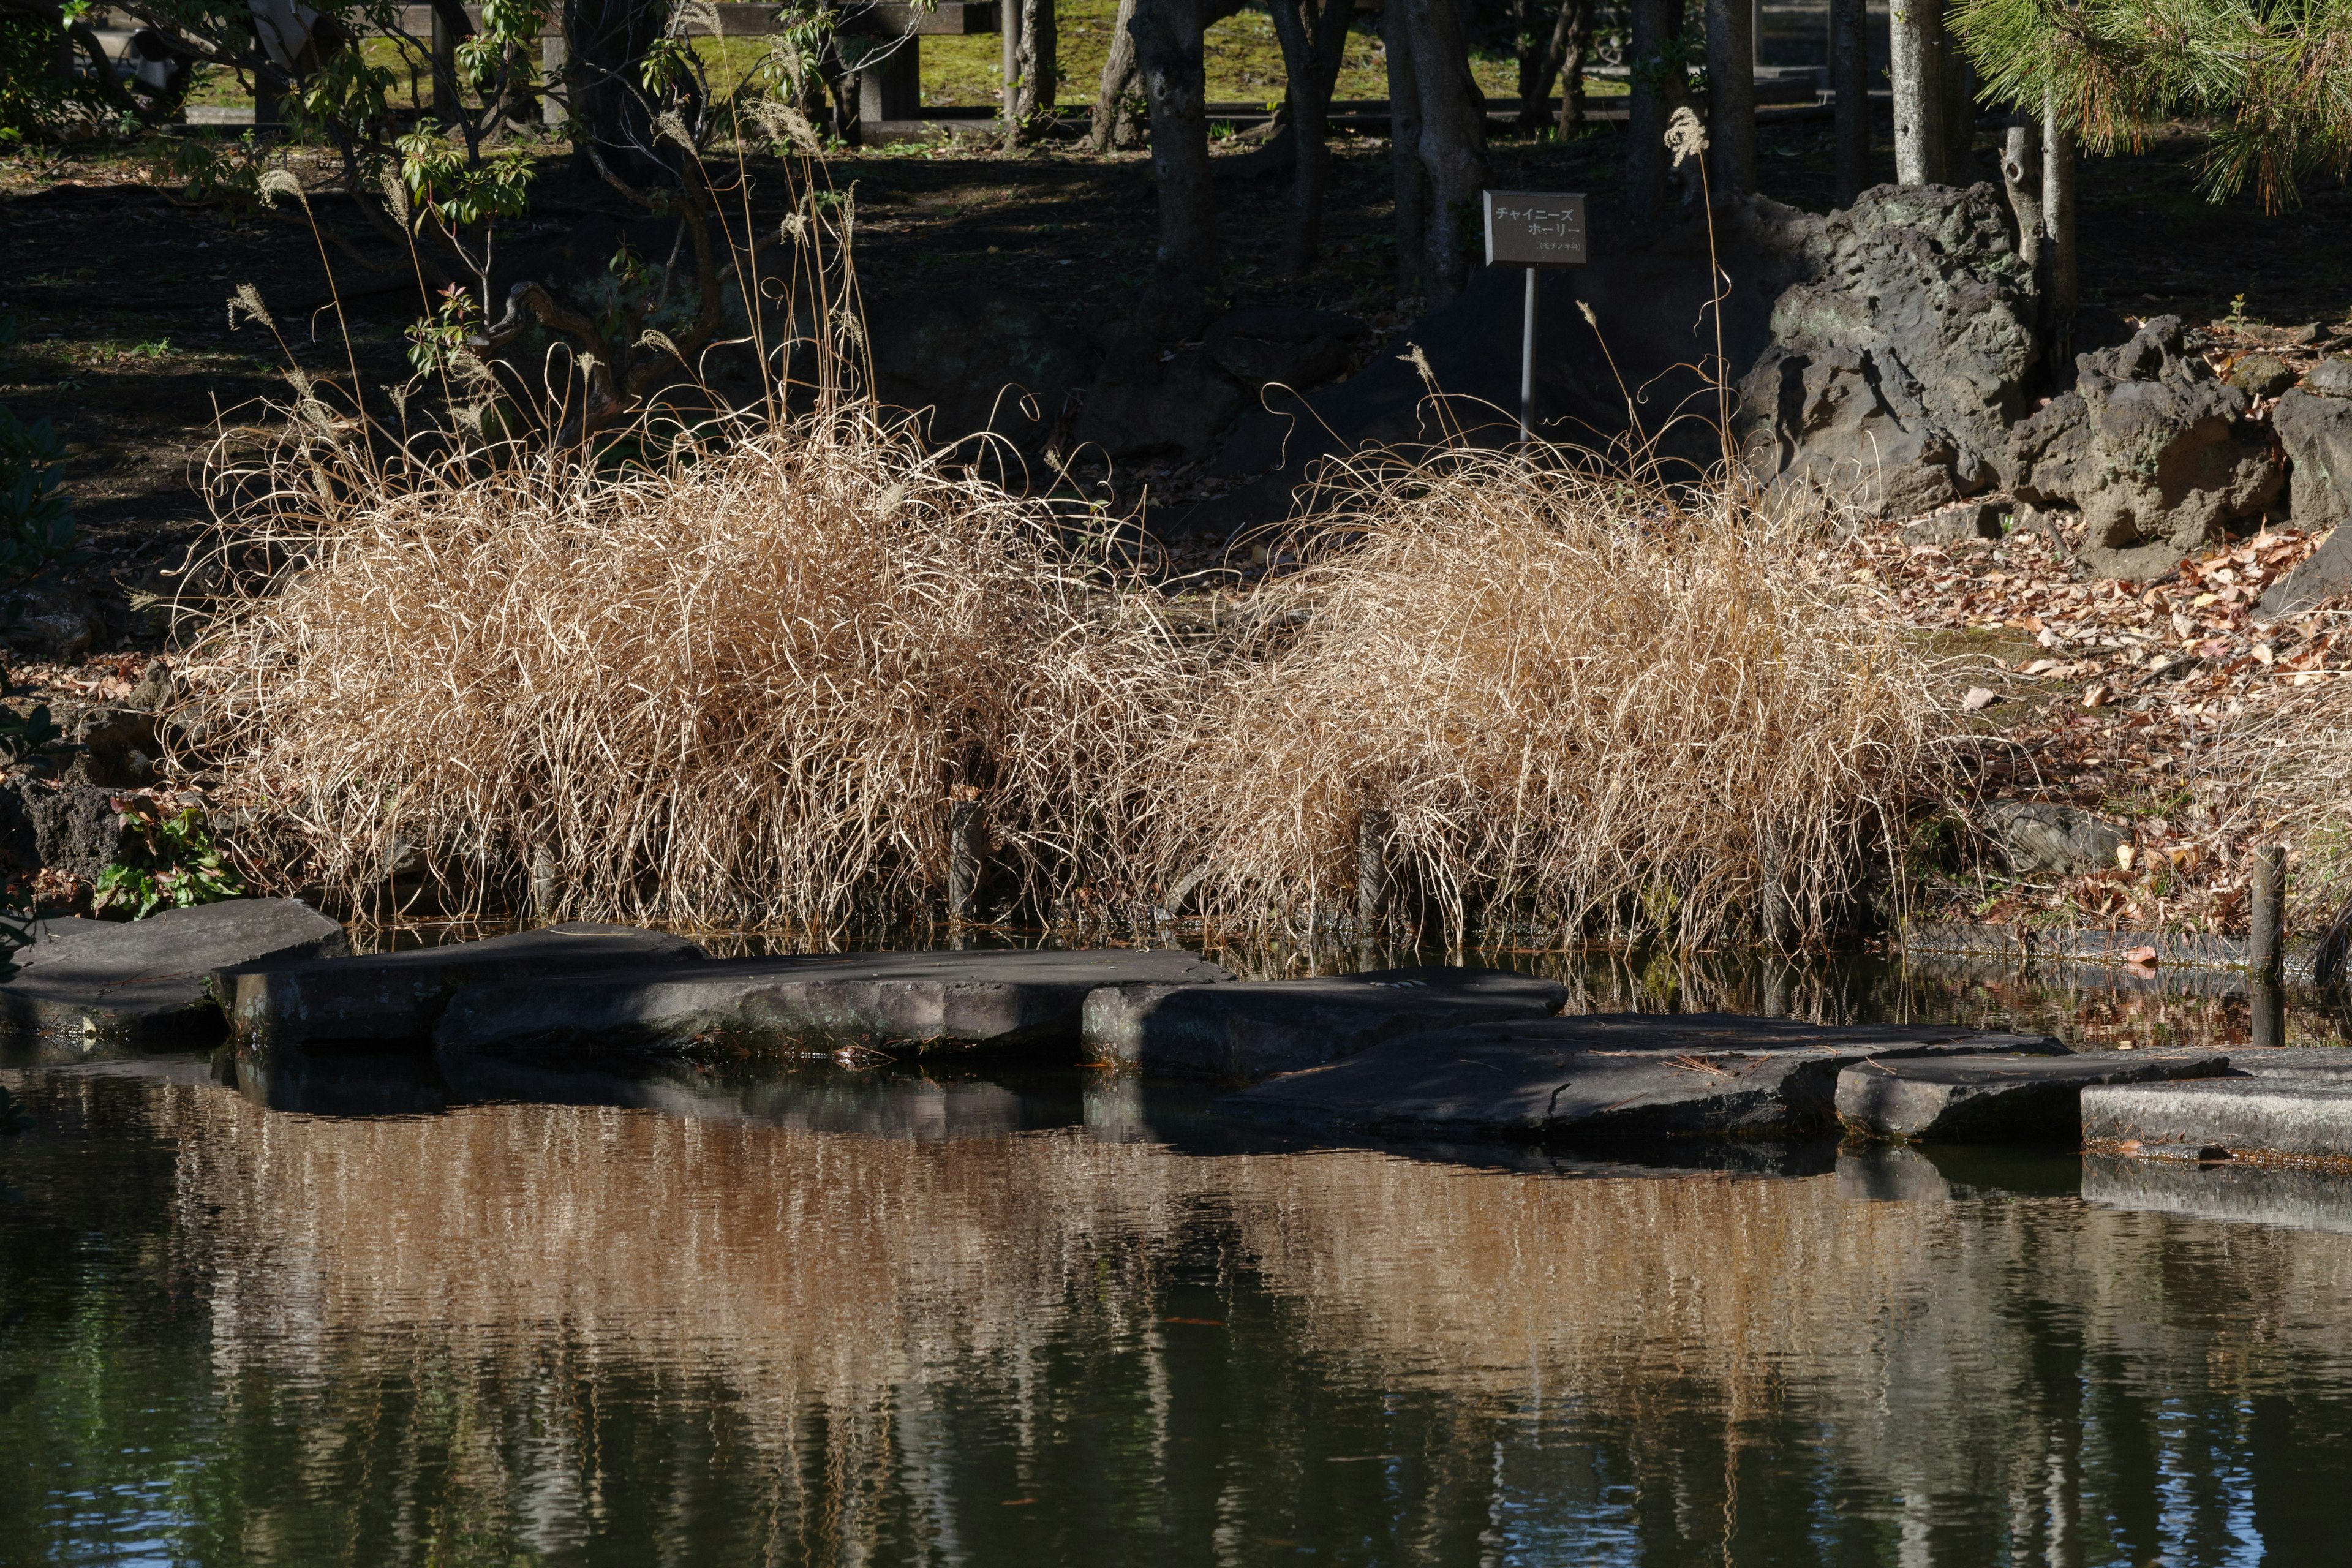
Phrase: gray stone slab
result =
(2292, 1061)
(2235, 1191)
(1248, 1030)
(1997, 1096)
(2258, 1118)
(1604, 1075)
(1002, 997)
(142, 985)
(397, 997)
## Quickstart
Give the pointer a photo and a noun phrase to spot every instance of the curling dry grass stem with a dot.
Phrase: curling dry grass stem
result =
(740, 690)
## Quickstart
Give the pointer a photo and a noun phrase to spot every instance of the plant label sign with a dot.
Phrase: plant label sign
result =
(1534, 228)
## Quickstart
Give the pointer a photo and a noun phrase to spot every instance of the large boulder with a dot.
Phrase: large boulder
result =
(1263, 343)
(1898, 364)
(2033, 836)
(2155, 449)
(979, 359)
(1150, 402)
(2315, 425)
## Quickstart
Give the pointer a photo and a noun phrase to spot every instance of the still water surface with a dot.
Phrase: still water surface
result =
(798, 1314)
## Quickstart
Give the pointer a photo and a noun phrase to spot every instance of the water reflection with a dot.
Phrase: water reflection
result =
(854, 1319)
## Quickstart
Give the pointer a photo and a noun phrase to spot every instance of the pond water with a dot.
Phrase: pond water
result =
(788, 1312)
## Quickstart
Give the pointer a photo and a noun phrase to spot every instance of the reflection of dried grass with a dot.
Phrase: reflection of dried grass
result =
(735, 691)
(1574, 694)
(741, 691)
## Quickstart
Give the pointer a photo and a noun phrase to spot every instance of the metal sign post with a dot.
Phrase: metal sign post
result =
(1534, 229)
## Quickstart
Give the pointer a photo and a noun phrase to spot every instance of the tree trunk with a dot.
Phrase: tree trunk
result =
(1577, 16)
(609, 40)
(1922, 147)
(1314, 39)
(1959, 113)
(1168, 36)
(1117, 84)
(1404, 149)
(1453, 141)
(2021, 174)
(1029, 90)
(1657, 80)
(1008, 59)
(1540, 65)
(1850, 82)
(1731, 95)
(2059, 295)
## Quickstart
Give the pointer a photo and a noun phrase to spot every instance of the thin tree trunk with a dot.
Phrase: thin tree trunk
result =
(1168, 36)
(2021, 174)
(609, 40)
(1577, 15)
(1029, 90)
(1117, 81)
(1653, 99)
(1404, 149)
(1850, 82)
(1314, 43)
(1008, 39)
(1731, 95)
(1922, 148)
(1453, 141)
(1539, 67)
(2058, 297)
(1959, 112)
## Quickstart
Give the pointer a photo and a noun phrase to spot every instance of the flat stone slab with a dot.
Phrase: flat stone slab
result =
(996, 997)
(1248, 1030)
(1604, 1075)
(397, 997)
(142, 984)
(2290, 1119)
(1997, 1095)
(2290, 1061)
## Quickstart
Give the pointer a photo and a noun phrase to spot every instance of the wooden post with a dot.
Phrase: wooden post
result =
(546, 886)
(966, 859)
(1373, 829)
(2269, 1005)
(2266, 923)
(1850, 85)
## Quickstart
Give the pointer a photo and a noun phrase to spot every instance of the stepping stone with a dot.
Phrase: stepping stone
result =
(2236, 1191)
(1997, 1096)
(994, 998)
(2230, 1118)
(1604, 1075)
(142, 985)
(1249, 1030)
(2290, 1061)
(398, 996)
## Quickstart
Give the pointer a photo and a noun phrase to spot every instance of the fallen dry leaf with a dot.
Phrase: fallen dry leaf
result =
(2143, 956)
(1978, 699)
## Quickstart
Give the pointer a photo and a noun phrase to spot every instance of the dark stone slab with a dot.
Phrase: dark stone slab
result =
(1604, 1075)
(394, 997)
(982, 997)
(142, 985)
(2233, 1191)
(2276, 1118)
(1247, 1031)
(1994, 1097)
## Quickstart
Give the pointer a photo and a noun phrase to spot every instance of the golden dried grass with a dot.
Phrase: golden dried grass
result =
(740, 690)
(735, 691)
(1583, 700)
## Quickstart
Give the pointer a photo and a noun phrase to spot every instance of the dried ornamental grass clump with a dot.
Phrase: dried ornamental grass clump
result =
(1580, 700)
(735, 691)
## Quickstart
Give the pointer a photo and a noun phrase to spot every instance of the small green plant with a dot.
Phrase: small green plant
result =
(438, 341)
(176, 864)
(2236, 319)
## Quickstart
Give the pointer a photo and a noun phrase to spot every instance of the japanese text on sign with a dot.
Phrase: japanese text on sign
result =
(1534, 228)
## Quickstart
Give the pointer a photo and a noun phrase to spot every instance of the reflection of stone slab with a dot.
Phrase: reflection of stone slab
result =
(397, 996)
(2265, 1194)
(1249, 1030)
(1604, 1075)
(989, 996)
(2279, 1118)
(2020, 1098)
(142, 985)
